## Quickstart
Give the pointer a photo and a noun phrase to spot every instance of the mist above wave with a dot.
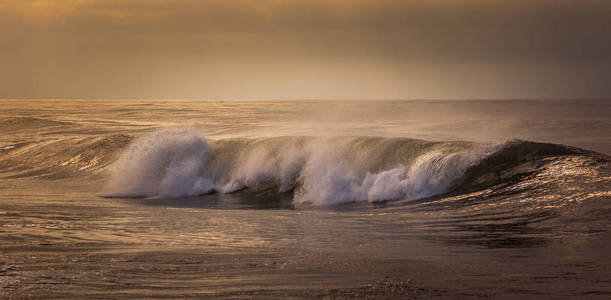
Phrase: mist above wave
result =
(322, 171)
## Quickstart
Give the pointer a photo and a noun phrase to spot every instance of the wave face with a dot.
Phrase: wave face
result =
(320, 171)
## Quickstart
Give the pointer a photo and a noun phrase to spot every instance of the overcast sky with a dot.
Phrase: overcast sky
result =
(346, 49)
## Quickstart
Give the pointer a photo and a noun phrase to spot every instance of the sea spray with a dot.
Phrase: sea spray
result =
(167, 163)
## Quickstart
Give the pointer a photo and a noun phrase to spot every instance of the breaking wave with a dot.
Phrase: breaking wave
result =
(168, 163)
(179, 162)
(320, 171)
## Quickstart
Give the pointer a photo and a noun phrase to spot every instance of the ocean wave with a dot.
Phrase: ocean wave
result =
(179, 162)
(320, 171)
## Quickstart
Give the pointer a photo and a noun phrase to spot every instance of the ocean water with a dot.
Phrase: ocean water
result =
(305, 199)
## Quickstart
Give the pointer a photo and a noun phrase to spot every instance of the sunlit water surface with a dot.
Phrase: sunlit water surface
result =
(518, 220)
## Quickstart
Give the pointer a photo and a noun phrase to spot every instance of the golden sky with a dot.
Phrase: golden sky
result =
(282, 49)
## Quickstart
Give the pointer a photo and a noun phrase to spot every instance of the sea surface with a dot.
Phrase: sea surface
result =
(464, 199)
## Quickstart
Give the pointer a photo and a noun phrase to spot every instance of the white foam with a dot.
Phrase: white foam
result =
(433, 173)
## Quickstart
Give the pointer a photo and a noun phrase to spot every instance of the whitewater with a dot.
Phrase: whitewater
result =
(388, 199)
(180, 162)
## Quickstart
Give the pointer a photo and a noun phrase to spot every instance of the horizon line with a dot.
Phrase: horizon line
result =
(313, 99)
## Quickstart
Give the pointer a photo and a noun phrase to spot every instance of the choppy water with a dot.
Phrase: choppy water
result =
(389, 199)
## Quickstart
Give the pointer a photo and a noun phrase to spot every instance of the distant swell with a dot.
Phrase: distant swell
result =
(320, 171)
